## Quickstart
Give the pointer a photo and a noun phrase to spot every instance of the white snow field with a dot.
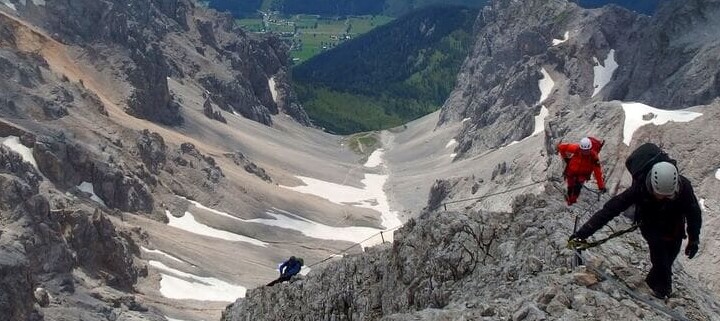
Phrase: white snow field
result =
(188, 223)
(161, 253)
(176, 284)
(546, 85)
(717, 174)
(89, 188)
(287, 220)
(372, 196)
(375, 159)
(540, 121)
(13, 143)
(638, 115)
(171, 319)
(566, 36)
(273, 89)
(603, 73)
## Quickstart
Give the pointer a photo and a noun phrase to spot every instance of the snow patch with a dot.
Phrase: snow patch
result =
(13, 143)
(465, 119)
(188, 223)
(603, 73)
(540, 121)
(372, 196)
(176, 284)
(273, 89)
(566, 36)
(9, 4)
(375, 158)
(161, 253)
(702, 204)
(451, 143)
(717, 174)
(453, 155)
(171, 319)
(287, 220)
(88, 187)
(546, 85)
(638, 115)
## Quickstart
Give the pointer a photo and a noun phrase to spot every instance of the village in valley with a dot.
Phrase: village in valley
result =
(309, 35)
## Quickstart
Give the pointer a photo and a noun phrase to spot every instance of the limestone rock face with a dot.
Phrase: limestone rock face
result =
(99, 247)
(70, 164)
(153, 150)
(467, 266)
(145, 43)
(665, 61)
(41, 250)
(16, 298)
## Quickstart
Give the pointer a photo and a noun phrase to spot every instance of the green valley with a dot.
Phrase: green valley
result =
(395, 73)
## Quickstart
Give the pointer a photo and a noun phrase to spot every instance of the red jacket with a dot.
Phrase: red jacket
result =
(581, 163)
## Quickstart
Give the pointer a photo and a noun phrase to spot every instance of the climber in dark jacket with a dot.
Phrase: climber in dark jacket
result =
(664, 202)
(288, 269)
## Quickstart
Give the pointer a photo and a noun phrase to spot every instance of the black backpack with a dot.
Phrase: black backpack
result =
(643, 158)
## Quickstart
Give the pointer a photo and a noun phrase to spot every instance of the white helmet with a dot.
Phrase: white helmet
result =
(585, 143)
(663, 179)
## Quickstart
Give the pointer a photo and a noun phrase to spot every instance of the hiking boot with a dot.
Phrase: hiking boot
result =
(658, 293)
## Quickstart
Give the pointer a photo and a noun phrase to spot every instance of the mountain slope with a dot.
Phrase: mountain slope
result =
(489, 156)
(395, 73)
(95, 164)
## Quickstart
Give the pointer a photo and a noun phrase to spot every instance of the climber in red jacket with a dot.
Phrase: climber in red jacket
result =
(581, 161)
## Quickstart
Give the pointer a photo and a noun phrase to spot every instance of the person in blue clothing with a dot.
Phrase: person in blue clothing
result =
(288, 269)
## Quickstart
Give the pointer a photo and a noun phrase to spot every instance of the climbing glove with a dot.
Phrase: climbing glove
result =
(691, 249)
(576, 242)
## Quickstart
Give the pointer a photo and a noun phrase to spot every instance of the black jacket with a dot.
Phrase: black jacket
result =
(665, 219)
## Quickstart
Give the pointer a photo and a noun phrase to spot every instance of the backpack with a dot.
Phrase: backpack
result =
(642, 159)
(597, 144)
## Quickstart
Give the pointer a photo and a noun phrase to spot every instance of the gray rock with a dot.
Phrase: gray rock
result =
(446, 265)
(68, 165)
(209, 112)
(151, 97)
(152, 150)
(250, 167)
(42, 297)
(16, 298)
(99, 248)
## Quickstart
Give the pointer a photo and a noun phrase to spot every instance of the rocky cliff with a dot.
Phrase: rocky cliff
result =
(664, 61)
(80, 83)
(140, 45)
(476, 266)
(541, 72)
